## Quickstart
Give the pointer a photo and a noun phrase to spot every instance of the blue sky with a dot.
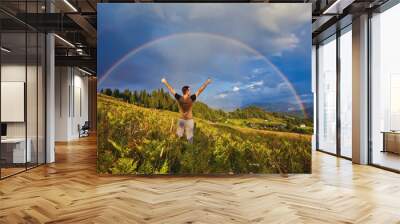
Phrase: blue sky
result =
(246, 49)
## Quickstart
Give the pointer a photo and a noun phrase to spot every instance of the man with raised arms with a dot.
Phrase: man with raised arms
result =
(185, 104)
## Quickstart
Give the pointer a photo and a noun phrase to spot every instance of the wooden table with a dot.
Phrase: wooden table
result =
(391, 141)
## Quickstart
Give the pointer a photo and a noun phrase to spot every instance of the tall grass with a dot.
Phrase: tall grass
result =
(137, 140)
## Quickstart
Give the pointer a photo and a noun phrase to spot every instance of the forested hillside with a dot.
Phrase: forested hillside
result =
(251, 116)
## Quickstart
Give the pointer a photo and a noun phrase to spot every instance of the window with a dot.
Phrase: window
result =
(385, 89)
(327, 95)
(346, 92)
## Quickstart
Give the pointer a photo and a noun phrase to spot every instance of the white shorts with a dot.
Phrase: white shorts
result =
(185, 126)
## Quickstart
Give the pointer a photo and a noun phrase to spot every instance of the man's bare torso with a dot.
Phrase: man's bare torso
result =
(185, 104)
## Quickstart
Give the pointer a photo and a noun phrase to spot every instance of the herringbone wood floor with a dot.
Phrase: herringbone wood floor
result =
(70, 191)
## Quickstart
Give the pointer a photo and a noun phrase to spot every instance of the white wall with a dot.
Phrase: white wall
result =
(62, 81)
(71, 102)
(16, 73)
(33, 127)
(80, 110)
(12, 73)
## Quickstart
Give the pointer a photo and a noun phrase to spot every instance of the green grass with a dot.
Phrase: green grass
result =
(137, 140)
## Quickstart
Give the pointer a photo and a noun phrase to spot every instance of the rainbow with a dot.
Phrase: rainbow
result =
(211, 36)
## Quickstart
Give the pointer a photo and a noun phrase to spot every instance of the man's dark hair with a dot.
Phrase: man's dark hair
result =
(185, 89)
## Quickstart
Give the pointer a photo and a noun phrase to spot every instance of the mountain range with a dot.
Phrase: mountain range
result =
(284, 107)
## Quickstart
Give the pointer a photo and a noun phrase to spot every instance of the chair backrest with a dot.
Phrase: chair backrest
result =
(86, 125)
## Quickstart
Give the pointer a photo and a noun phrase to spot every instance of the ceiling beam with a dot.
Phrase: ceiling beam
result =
(79, 61)
(337, 7)
(86, 26)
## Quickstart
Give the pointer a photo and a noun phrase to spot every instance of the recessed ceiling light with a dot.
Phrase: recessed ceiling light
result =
(338, 6)
(64, 40)
(5, 50)
(70, 5)
(84, 71)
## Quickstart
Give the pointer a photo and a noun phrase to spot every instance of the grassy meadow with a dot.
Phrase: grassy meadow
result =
(133, 139)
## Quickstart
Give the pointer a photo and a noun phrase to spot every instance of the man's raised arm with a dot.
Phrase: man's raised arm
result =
(203, 87)
(168, 86)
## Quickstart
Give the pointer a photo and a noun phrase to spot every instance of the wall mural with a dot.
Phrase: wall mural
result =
(204, 88)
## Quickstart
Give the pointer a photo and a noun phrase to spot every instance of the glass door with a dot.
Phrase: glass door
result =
(22, 77)
(346, 92)
(14, 153)
(327, 95)
(385, 89)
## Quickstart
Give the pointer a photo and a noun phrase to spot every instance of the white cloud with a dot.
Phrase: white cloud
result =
(283, 87)
(279, 18)
(254, 84)
(222, 95)
(269, 28)
(258, 70)
(290, 41)
(235, 89)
